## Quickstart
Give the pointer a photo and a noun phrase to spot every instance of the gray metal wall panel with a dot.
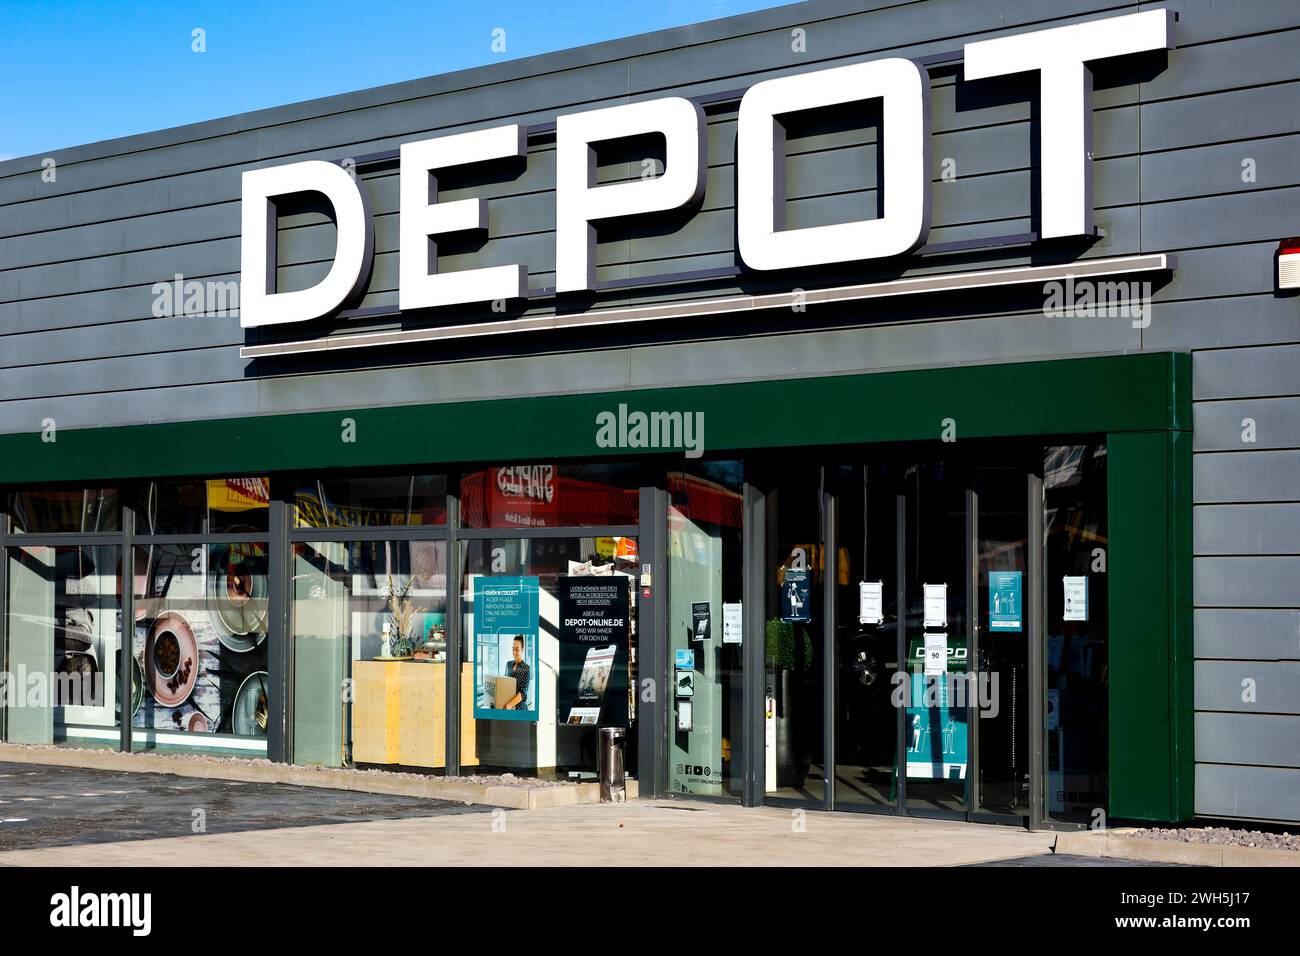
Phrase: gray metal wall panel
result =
(1247, 581)
(463, 381)
(1260, 793)
(140, 337)
(1228, 168)
(1248, 739)
(84, 309)
(27, 382)
(1246, 373)
(190, 402)
(876, 348)
(1220, 686)
(1222, 117)
(1246, 529)
(1220, 220)
(1247, 423)
(1218, 323)
(1246, 476)
(1247, 634)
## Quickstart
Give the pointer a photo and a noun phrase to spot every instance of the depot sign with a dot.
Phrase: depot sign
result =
(1060, 56)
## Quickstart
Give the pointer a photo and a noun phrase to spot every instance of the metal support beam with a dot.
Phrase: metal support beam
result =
(454, 617)
(279, 642)
(652, 647)
(829, 566)
(126, 647)
(1035, 614)
(754, 665)
(973, 648)
(900, 645)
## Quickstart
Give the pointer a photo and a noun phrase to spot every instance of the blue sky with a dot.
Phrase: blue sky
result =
(77, 72)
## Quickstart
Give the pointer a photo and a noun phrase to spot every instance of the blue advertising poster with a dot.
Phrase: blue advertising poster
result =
(936, 716)
(505, 648)
(794, 596)
(684, 659)
(1004, 601)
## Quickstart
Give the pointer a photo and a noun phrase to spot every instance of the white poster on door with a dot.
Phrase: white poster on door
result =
(731, 618)
(1076, 597)
(871, 602)
(936, 605)
(936, 654)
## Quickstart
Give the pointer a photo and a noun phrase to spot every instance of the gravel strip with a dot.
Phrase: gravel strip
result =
(1221, 836)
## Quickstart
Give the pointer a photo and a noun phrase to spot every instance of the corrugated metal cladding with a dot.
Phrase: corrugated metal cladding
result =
(1198, 155)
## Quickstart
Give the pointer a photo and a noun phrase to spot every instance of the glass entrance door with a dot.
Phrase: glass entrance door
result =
(796, 571)
(936, 725)
(704, 642)
(1076, 707)
(932, 618)
(1001, 528)
(868, 633)
(971, 622)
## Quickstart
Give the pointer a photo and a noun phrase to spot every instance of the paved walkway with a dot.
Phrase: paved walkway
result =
(63, 816)
(44, 806)
(669, 833)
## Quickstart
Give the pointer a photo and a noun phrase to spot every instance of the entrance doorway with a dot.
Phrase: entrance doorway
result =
(919, 659)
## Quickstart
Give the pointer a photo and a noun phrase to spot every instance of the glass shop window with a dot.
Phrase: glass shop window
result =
(369, 640)
(198, 506)
(547, 495)
(199, 648)
(65, 510)
(371, 501)
(549, 653)
(64, 631)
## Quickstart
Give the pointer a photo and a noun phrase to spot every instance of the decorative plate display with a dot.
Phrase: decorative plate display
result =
(237, 593)
(249, 714)
(137, 690)
(171, 659)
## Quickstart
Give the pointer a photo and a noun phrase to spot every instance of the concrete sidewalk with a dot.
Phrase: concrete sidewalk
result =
(662, 833)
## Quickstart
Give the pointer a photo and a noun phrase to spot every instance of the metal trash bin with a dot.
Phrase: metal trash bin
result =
(611, 767)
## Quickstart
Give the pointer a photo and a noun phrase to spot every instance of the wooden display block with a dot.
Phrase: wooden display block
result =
(399, 713)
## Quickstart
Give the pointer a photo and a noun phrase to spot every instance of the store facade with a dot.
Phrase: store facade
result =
(857, 420)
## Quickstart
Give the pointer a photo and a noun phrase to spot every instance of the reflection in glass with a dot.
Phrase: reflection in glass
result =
(866, 648)
(370, 653)
(795, 572)
(65, 510)
(64, 637)
(214, 506)
(935, 720)
(371, 501)
(1001, 593)
(542, 495)
(705, 525)
(1077, 716)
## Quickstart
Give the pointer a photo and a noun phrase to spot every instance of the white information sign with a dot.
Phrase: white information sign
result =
(871, 602)
(936, 605)
(1076, 597)
(731, 618)
(936, 654)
